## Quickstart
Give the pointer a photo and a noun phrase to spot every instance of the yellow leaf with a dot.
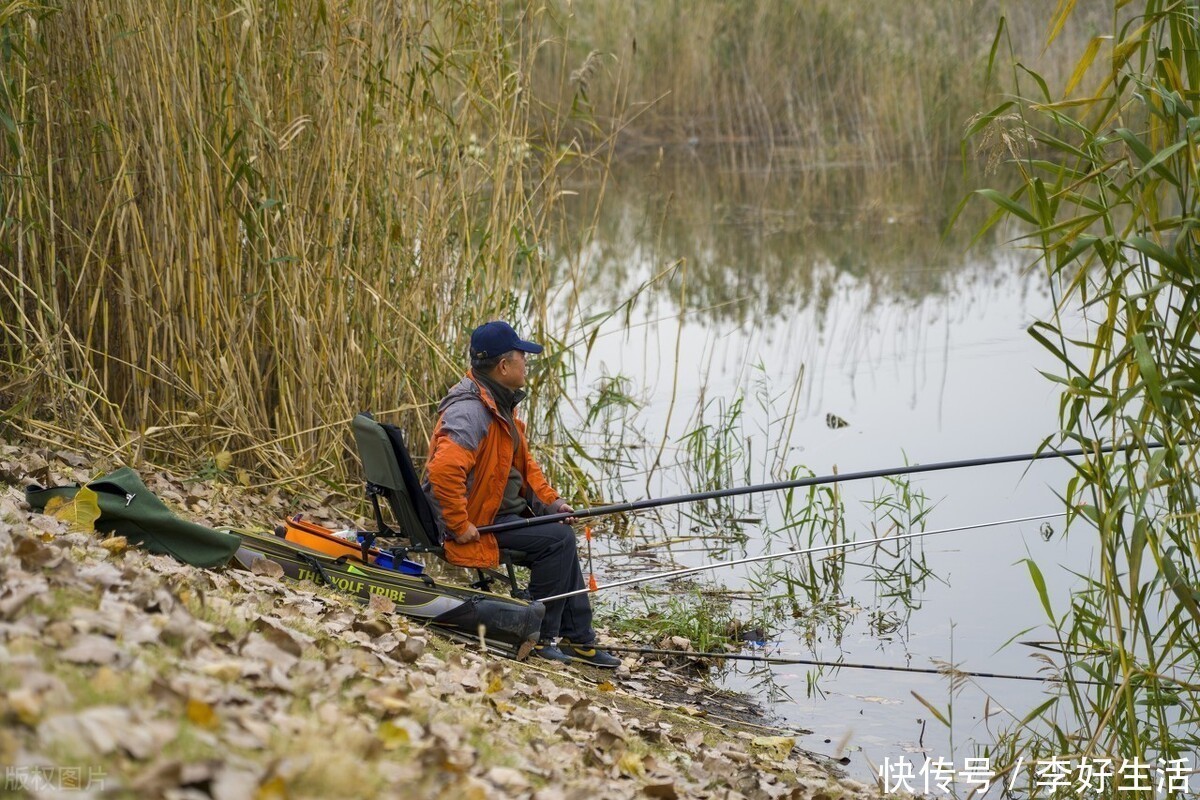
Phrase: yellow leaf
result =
(82, 512)
(1065, 7)
(243, 477)
(631, 764)
(496, 685)
(272, 789)
(777, 747)
(201, 714)
(1084, 64)
(115, 545)
(606, 686)
(54, 504)
(222, 460)
(393, 735)
(26, 705)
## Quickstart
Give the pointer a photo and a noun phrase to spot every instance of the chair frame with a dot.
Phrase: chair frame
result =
(390, 475)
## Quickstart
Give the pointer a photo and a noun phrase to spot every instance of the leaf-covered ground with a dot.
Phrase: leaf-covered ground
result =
(128, 674)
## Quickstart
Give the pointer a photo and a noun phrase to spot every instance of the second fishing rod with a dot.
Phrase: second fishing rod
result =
(640, 505)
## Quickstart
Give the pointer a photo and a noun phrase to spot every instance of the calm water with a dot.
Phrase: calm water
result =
(808, 293)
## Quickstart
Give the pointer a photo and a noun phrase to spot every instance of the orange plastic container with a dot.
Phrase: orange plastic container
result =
(318, 537)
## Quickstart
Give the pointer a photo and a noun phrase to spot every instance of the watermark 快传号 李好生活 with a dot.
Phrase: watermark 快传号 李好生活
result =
(1076, 776)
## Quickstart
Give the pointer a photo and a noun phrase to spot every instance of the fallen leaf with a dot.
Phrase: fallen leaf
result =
(394, 733)
(223, 670)
(222, 460)
(202, 714)
(631, 764)
(17, 596)
(281, 636)
(115, 545)
(92, 649)
(776, 747)
(267, 567)
(662, 791)
(272, 789)
(26, 705)
(508, 779)
(106, 680)
(82, 512)
(381, 604)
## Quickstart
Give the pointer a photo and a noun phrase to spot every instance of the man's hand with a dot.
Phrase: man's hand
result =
(471, 534)
(561, 506)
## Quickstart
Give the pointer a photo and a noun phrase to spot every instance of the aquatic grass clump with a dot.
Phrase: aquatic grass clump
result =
(1112, 215)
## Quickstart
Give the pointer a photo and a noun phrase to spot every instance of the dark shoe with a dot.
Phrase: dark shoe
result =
(550, 652)
(588, 654)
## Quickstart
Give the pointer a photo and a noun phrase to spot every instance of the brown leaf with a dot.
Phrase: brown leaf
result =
(92, 649)
(389, 700)
(283, 637)
(74, 459)
(381, 604)
(508, 779)
(258, 647)
(373, 626)
(33, 553)
(102, 729)
(662, 791)
(18, 595)
(267, 567)
(26, 705)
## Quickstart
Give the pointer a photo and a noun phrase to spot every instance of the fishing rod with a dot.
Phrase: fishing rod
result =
(659, 576)
(953, 671)
(638, 505)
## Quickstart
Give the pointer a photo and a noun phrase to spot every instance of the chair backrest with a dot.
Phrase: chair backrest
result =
(388, 468)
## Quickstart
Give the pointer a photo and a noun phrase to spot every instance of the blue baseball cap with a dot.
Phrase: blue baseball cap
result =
(495, 338)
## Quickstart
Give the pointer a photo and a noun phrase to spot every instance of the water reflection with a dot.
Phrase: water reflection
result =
(763, 242)
(802, 298)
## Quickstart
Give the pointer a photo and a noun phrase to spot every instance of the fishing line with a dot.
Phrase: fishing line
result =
(948, 671)
(805, 551)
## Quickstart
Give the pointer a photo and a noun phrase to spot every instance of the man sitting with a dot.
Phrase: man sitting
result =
(480, 472)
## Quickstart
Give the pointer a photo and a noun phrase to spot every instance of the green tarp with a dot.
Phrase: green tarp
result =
(129, 509)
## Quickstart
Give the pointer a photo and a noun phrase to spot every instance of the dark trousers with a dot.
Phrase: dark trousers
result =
(554, 569)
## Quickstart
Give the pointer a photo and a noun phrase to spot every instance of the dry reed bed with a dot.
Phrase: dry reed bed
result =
(837, 80)
(236, 224)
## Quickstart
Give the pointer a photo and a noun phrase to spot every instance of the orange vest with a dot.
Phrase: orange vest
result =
(470, 457)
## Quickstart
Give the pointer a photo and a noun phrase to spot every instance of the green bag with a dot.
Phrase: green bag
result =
(129, 509)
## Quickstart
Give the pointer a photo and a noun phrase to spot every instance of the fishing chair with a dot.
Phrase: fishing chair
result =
(390, 474)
